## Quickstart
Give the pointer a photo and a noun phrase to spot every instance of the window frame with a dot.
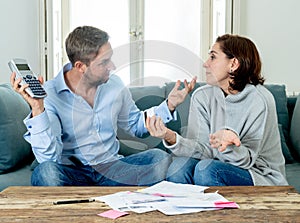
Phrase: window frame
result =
(135, 31)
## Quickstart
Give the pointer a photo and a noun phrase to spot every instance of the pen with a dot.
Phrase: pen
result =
(74, 201)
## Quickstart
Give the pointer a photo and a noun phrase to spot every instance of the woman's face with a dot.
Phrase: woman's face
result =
(218, 68)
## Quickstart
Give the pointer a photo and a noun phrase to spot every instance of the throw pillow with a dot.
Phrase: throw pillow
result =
(279, 94)
(285, 149)
(14, 150)
(295, 127)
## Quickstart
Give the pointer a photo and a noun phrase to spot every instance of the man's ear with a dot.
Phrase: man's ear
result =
(81, 67)
(235, 64)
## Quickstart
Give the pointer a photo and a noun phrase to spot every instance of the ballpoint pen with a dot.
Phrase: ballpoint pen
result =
(74, 201)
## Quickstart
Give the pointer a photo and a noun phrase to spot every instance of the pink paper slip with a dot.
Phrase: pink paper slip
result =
(112, 214)
(226, 204)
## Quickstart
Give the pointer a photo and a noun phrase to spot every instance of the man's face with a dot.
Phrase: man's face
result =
(99, 69)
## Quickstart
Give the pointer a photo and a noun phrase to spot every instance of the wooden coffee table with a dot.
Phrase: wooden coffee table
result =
(35, 204)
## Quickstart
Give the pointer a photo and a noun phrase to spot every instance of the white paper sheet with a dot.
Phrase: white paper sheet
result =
(168, 198)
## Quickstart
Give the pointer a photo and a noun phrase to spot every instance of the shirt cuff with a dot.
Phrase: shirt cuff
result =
(37, 123)
(162, 111)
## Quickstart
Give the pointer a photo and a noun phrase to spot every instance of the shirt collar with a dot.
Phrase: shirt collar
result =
(60, 80)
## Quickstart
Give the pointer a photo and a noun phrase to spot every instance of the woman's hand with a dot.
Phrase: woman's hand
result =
(223, 138)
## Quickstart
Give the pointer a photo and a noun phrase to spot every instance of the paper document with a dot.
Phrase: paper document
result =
(168, 198)
(174, 189)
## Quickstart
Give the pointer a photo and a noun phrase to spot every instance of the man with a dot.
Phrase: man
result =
(73, 130)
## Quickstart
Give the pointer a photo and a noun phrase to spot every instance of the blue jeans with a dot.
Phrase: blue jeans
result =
(141, 169)
(181, 170)
(207, 172)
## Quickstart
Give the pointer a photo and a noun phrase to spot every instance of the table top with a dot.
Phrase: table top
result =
(257, 204)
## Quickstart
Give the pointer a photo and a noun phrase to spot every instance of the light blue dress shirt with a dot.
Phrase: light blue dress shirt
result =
(69, 126)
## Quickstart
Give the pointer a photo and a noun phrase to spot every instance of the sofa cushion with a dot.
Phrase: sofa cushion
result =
(129, 147)
(292, 175)
(14, 150)
(147, 96)
(144, 97)
(143, 103)
(19, 177)
(279, 93)
(285, 149)
(295, 128)
(183, 109)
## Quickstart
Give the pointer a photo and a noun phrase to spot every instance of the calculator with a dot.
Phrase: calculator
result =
(23, 70)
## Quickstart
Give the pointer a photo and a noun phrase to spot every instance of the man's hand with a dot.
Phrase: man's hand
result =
(177, 96)
(223, 138)
(157, 128)
(37, 105)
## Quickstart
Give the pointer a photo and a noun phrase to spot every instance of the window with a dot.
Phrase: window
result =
(111, 16)
(50, 37)
(154, 41)
(222, 17)
(172, 40)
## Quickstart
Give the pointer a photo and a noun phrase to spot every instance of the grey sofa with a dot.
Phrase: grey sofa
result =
(17, 160)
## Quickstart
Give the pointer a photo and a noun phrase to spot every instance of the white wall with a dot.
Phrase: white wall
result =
(19, 34)
(274, 26)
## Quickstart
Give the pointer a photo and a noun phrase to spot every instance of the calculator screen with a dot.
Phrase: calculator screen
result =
(23, 67)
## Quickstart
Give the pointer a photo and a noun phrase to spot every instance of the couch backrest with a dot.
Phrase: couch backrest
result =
(14, 150)
(148, 96)
(295, 129)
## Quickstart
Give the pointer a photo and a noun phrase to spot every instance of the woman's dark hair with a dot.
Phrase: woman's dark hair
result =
(245, 51)
(83, 44)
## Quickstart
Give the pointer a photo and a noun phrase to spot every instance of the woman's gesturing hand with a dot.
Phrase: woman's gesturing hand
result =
(223, 138)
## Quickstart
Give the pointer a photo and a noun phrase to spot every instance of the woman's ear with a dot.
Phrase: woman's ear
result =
(81, 67)
(235, 64)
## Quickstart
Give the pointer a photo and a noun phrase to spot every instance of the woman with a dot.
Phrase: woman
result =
(232, 136)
